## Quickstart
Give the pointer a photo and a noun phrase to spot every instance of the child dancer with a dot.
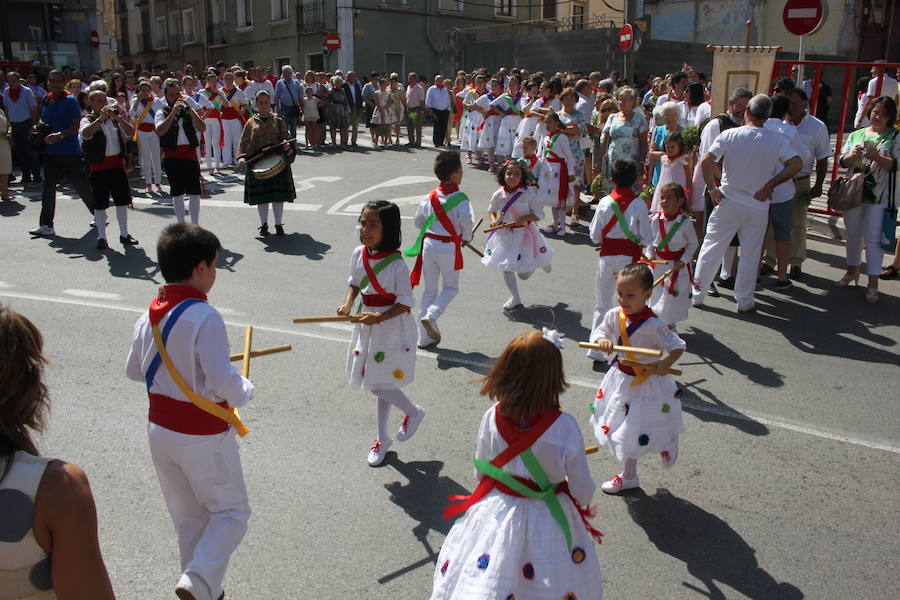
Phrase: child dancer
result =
(311, 106)
(444, 219)
(638, 409)
(620, 225)
(674, 240)
(143, 113)
(180, 350)
(525, 533)
(676, 167)
(529, 155)
(529, 123)
(233, 102)
(213, 136)
(557, 173)
(474, 119)
(520, 249)
(382, 358)
(510, 105)
(487, 132)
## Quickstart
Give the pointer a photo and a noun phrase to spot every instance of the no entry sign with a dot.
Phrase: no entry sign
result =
(95, 39)
(332, 41)
(803, 17)
(626, 37)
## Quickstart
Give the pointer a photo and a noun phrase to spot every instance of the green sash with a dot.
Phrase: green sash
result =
(671, 233)
(451, 203)
(379, 267)
(623, 224)
(552, 143)
(209, 96)
(512, 105)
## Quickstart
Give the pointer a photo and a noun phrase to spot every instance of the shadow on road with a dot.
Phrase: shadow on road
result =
(227, 259)
(713, 352)
(83, 247)
(134, 264)
(559, 317)
(10, 208)
(423, 498)
(296, 244)
(473, 361)
(708, 408)
(711, 550)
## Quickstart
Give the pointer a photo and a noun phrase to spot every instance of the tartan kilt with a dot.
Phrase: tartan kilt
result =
(276, 189)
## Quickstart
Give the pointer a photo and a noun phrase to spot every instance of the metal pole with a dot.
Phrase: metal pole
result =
(802, 56)
(628, 59)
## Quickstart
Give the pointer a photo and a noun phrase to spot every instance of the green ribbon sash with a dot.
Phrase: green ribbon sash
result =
(379, 267)
(552, 143)
(622, 223)
(451, 203)
(512, 105)
(671, 233)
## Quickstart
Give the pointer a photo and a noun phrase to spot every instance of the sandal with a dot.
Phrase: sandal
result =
(890, 272)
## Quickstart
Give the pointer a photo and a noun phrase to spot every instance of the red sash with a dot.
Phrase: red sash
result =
(437, 207)
(229, 113)
(110, 162)
(184, 417)
(381, 298)
(634, 323)
(563, 193)
(146, 127)
(182, 152)
(667, 254)
(619, 246)
(14, 95)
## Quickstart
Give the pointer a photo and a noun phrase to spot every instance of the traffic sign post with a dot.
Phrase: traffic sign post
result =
(626, 37)
(332, 41)
(803, 18)
(95, 39)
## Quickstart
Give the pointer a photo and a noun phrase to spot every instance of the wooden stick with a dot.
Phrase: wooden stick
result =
(263, 352)
(639, 364)
(477, 225)
(632, 349)
(473, 249)
(248, 343)
(592, 449)
(328, 319)
(499, 227)
(663, 277)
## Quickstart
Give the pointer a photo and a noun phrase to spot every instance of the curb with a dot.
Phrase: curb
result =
(827, 226)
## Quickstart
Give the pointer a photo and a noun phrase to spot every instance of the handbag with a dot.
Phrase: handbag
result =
(847, 192)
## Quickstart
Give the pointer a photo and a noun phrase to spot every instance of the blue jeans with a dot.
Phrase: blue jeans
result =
(290, 114)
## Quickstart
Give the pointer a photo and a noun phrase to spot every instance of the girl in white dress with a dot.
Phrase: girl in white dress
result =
(676, 167)
(530, 120)
(556, 174)
(520, 249)
(524, 533)
(487, 136)
(638, 409)
(474, 119)
(550, 104)
(674, 240)
(382, 355)
(510, 105)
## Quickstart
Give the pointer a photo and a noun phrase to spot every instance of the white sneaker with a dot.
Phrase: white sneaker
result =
(616, 484)
(561, 232)
(431, 328)
(409, 425)
(42, 231)
(378, 452)
(512, 303)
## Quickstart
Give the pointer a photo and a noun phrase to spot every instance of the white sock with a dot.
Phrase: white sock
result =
(195, 209)
(263, 210)
(630, 470)
(561, 218)
(509, 278)
(382, 416)
(122, 218)
(278, 209)
(100, 219)
(398, 399)
(178, 206)
(555, 213)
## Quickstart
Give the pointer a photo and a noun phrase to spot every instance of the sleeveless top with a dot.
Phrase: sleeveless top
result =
(24, 566)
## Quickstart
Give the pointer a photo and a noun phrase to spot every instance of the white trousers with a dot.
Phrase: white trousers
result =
(149, 155)
(203, 486)
(231, 130)
(211, 139)
(440, 279)
(863, 225)
(727, 219)
(608, 268)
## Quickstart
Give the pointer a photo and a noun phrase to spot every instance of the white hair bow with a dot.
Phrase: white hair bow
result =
(553, 336)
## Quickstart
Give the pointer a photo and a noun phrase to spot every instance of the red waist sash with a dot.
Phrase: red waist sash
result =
(672, 255)
(620, 247)
(183, 417)
(182, 152)
(440, 238)
(563, 192)
(110, 162)
(147, 127)
(379, 299)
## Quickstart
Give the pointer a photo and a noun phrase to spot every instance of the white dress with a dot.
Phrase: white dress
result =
(540, 132)
(509, 123)
(671, 303)
(523, 249)
(472, 121)
(633, 421)
(487, 137)
(510, 547)
(550, 171)
(383, 356)
(672, 171)
(527, 127)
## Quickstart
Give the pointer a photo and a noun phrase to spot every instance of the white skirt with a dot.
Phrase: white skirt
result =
(505, 547)
(522, 250)
(526, 128)
(382, 356)
(634, 421)
(469, 141)
(487, 137)
(670, 307)
(506, 135)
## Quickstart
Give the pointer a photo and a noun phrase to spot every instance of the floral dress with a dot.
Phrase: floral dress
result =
(577, 119)
(624, 139)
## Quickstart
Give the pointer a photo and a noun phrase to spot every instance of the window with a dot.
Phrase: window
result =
(280, 61)
(454, 5)
(504, 8)
(218, 12)
(395, 62)
(392, 2)
(549, 11)
(174, 33)
(244, 13)
(279, 10)
(160, 33)
(187, 26)
(577, 16)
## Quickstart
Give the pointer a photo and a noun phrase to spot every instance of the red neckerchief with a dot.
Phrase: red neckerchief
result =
(674, 158)
(666, 217)
(440, 86)
(447, 187)
(623, 197)
(511, 430)
(58, 96)
(366, 257)
(641, 316)
(510, 190)
(169, 297)
(14, 95)
(532, 160)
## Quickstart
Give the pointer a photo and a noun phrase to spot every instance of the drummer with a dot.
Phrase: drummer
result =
(264, 130)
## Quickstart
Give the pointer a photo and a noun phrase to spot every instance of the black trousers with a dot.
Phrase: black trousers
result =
(110, 182)
(58, 167)
(441, 117)
(21, 149)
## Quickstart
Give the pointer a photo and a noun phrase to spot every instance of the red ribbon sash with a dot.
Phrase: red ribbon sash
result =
(416, 276)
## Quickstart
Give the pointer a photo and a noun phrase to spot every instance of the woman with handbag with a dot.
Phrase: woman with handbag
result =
(872, 153)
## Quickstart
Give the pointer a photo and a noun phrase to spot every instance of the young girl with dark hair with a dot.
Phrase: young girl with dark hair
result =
(674, 240)
(382, 355)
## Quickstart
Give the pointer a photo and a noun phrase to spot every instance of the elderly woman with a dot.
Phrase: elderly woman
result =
(625, 134)
(574, 127)
(396, 105)
(671, 115)
(265, 134)
(50, 547)
(874, 150)
(338, 113)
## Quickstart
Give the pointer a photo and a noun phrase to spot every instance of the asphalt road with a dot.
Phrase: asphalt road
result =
(786, 485)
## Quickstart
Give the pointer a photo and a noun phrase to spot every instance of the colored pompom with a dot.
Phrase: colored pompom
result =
(578, 556)
(600, 394)
(356, 352)
(679, 393)
(398, 374)
(592, 407)
(605, 429)
(528, 571)
(570, 596)
(666, 408)
(444, 566)
(627, 408)
(644, 439)
(511, 597)
(379, 357)
(483, 561)
(543, 250)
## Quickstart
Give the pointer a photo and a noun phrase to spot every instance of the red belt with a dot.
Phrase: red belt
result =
(182, 152)
(563, 192)
(563, 487)
(148, 127)
(672, 255)
(110, 162)
(379, 299)
(184, 417)
(440, 238)
(620, 247)
(626, 369)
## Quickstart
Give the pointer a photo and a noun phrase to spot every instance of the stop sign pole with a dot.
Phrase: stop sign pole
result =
(803, 18)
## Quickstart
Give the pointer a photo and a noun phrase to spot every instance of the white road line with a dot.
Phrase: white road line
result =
(338, 207)
(5, 286)
(208, 203)
(338, 326)
(93, 294)
(585, 383)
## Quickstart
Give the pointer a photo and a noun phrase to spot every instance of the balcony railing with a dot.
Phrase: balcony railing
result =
(218, 33)
(311, 17)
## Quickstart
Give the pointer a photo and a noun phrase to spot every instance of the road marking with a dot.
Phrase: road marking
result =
(310, 182)
(339, 207)
(338, 326)
(93, 294)
(5, 286)
(401, 202)
(585, 383)
(209, 203)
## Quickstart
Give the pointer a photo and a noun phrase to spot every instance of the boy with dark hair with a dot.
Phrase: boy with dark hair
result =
(180, 350)
(621, 225)
(444, 219)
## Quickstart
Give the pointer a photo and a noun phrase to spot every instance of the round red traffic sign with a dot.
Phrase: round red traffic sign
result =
(803, 17)
(332, 41)
(626, 37)
(95, 39)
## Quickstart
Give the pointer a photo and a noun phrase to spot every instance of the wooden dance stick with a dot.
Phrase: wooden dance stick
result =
(328, 319)
(473, 249)
(501, 226)
(592, 449)
(663, 277)
(263, 352)
(643, 258)
(248, 343)
(477, 225)
(632, 349)
(639, 364)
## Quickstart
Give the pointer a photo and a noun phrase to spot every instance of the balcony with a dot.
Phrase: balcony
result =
(311, 17)
(175, 45)
(217, 33)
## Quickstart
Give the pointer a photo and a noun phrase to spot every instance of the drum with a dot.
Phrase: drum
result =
(268, 166)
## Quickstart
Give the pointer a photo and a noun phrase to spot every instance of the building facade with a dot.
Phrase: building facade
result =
(52, 32)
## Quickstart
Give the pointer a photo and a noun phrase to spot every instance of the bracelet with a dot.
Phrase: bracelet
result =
(379, 318)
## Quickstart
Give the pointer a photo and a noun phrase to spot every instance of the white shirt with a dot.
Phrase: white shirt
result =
(201, 99)
(437, 98)
(785, 191)
(20, 110)
(161, 116)
(814, 135)
(889, 87)
(635, 214)
(198, 345)
(694, 115)
(109, 131)
(460, 217)
(254, 86)
(751, 156)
